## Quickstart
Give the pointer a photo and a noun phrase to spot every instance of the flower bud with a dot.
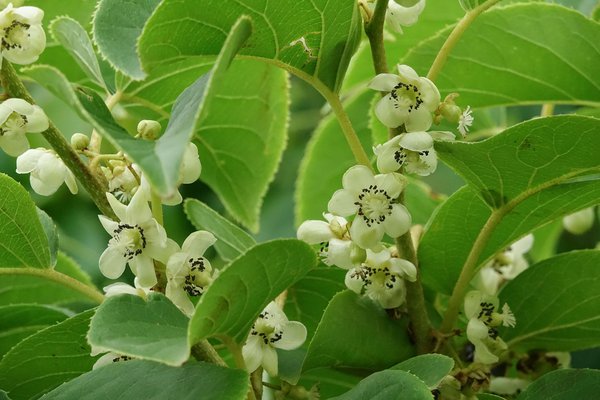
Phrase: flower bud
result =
(149, 129)
(580, 222)
(79, 141)
(449, 110)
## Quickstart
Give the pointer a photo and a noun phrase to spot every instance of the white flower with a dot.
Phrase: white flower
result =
(481, 310)
(119, 288)
(18, 117)
(188, 272)
(398, 16)
(411, 99)
(412, 151)
(271, 331)
(504, 266)
(137, 240)
(579, 222)
(122, 182)
(47, 171)
(381, 278)
(507, 386)
(465, 121)
(372, 199)
(23, 38)
(337, 248)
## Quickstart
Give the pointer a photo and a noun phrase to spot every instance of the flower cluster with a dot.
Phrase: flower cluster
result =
(22, 36)
(484, 319)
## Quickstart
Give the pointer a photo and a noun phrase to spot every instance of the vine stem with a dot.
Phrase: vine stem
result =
(421, 330)
(455, 36)
(52, 275)
(204, 351)
(96, 140)
(14, 87)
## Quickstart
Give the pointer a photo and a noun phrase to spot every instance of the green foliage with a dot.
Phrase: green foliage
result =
(117, 26)
(51, 234)
(564, 384)
(556, 304)
(18, 321)
(46, 359)
(152, 329)
(74, 38)
(519, 54)
(17, 288)
(232, 303)
(139, 379)
(345, 336)
(329, 29)
(24, 241)
(387, 385)
(231, 240)
(540, 188)
(430, 368)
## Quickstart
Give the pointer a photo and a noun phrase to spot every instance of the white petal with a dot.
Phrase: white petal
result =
(386, 155)
(425, 164)
(353, 280)
(294, 334)
(172, 200)
(118, 288)
(109, 225)
(51, 170)
(143, 267)
(488, 281)
(483, 355)
(37, 121)
(177, 267)
(419, 120)
(398, 222)
(388, 114)
(341, 253)
(416, 141)
(342, 203)
(71, 181)
(197, 243)
(442, 136)
(507, 386)
(407, 72)
(579, 222)
(269, 360)
(32, 15)
(178, 296)
(119, 208)
(252, 353)
(384, 82)
(392, 183)
(14, 145)
(27, 161)
(138, 209)
(19, 106)
(524, 244)
(405, 268)
(314, 232)
(473, 300)
(365, 236)
(356, 178)
(476, 330)
(378, 258)
(190, 165)
(112, 263)
(430, 94)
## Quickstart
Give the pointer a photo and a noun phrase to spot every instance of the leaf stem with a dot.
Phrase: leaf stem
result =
(353, 141)
(374, 31)
(13, 85)
(547, 110)
(455, 36)
(204, 351)
(90, 292)
(96, 139)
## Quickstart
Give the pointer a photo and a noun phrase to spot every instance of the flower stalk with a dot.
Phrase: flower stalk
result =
(14, 87)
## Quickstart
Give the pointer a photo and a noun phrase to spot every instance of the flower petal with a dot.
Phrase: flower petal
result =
(384, 82)
(197, 243)
(138, 210)
(294, 334)
(178, 296)
(109, 225)
(392, 183)
(398, 222)
(342, 254)
(388, 114)
(143, 267)
(419, 120)
(37, 121)
(342, 203)
(356, 178)
(252, 353)
(118, 288)
(112, 262)
(190, 165)
(404, 71)
(269, 360)
(354, 281)
(119, 208)
(416, 141)
(404, 268)
(314, 232)
(14, 145)
(366, 236)
(27, 161)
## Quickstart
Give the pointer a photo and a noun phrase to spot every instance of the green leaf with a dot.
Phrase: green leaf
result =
(430, 368)
(21, 320)
(345, 336)
(242, 134)
(564, 384)
(152, 329)
(488, 396)
(117, 27)
(527, 157)
(73, 37)
(47, 359)
(23, 242)
(518, 54)
(388, 384)
(51, 234)
(232, 303)
(319, 48)
(3, 395)
(328, 156)
(80, 10)
(159, 160)
(231, 240)
(556, 304)
(468, 5)
(309, 297)
(22, 287)
(139, 379)
(528, 172)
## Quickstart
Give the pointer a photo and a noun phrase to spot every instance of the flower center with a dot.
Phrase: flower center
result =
(198, 278)
(14, 124)
(404, 155)
(266, 329)
(406, 95)
(15, 34)
(374, 205)
(132, 238)
(380, 278)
